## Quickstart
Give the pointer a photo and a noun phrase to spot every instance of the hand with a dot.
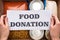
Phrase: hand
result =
(54, 28)
(4, 28)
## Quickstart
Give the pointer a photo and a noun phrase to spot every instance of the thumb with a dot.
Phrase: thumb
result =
(52, 21)
(6, 21)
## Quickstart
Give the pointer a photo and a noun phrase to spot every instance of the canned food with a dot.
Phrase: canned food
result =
(36, 5)
(47, 35)
(36, 34)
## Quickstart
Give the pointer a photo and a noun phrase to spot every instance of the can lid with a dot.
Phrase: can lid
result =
(36, 34)
(36, 5)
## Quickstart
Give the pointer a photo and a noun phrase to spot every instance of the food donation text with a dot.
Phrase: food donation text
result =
(27, 19)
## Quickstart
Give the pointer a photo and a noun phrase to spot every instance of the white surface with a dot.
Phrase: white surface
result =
(13, 16)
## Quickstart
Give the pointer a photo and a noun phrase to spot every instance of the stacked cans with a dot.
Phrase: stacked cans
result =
(36, 5)
(39, 5)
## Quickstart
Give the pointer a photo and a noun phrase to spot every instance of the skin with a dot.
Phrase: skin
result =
(54, 28)
(4, 28)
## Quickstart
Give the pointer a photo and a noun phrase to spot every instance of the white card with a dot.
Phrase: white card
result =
(29, 20)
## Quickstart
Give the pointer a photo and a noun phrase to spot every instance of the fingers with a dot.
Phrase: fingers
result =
(56, 19)
(52, 21)
(2, 19)
(6, 21)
